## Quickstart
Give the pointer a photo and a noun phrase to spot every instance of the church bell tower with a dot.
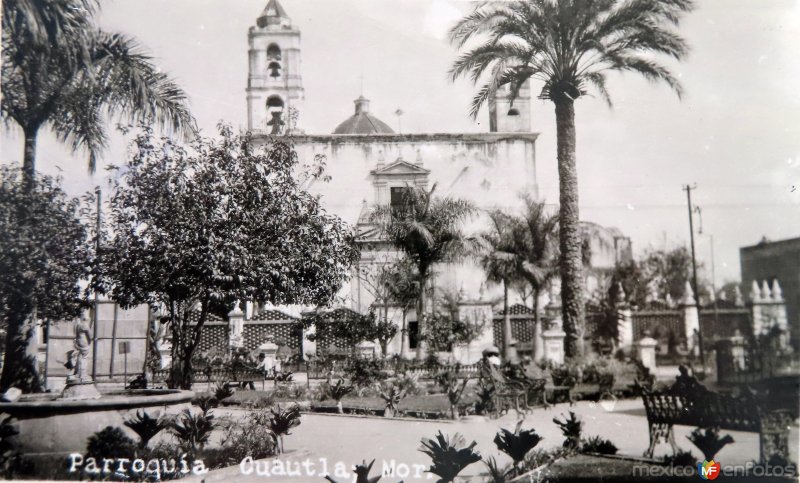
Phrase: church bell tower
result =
(505, 116)
(274, 83)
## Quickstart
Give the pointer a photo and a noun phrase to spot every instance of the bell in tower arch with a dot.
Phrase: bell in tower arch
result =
(274, 70)
(276, 122)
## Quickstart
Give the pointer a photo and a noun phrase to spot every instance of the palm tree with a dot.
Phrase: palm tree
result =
(429, 230)
(502, 264)
(568, 45)
(62, 72)
(535, 239)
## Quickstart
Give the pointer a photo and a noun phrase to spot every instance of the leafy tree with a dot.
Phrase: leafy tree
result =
(403, 286)
(569, 46)
(503, 264)
(444, 329)
(351, 328)
(44, 254)
(197, 228)
(428, 230)
(535, 239)
(665, 273)
(62, 72)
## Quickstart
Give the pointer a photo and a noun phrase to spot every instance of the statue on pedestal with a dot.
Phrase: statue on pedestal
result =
(76, 358)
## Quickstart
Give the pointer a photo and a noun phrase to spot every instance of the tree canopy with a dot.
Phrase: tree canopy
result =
(45, 253)
(199, 227)
(61, 71)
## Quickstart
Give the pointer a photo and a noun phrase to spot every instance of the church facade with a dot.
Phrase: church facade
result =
(369, 164)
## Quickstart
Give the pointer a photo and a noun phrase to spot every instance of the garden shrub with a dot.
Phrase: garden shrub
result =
(110, 442)
(410, 384)
(681, 458)
(11, 462)
(540, 457)
(365, 372)
(596, 444)
(250, 436)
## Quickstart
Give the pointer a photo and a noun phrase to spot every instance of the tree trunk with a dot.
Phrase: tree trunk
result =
(29, 158)
(403, 336)
(571, 263)
(21, 362)
(537, 327)
(509, 352)
(422, 345)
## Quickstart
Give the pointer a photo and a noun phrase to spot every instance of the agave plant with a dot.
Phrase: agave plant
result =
(485, 393)
(571, 429)
(709, 442)
(362, 473)
(223, 391)
(496, 473)
(282, 421)
(193, 430)
(146, 426)
(453, 387)
(449, 456)
(206, 402)
(338, 391)
(392, 395)
(516, 444)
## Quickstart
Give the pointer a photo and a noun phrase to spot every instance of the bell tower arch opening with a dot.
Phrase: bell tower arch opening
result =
(274, 84)
(275, 115)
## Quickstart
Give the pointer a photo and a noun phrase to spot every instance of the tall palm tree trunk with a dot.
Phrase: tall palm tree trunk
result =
(403, 335)
(538, 346)
(572, 304)
(508, 354)
(29, 157)
(422, 345)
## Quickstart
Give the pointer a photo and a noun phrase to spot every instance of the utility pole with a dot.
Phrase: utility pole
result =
(713, 271)
(688, 190)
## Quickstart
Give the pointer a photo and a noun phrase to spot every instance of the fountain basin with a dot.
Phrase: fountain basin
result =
(49, 425)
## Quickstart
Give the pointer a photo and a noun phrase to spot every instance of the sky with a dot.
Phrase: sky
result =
(735, 134)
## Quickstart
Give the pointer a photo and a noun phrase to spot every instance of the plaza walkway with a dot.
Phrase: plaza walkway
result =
(322, 441)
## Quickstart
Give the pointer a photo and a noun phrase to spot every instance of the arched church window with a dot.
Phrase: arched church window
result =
(274, 69)
(275, 114)
(513, 112)
(273, 52)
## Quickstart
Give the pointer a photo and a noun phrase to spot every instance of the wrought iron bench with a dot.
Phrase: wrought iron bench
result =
(688, 402)
(518, 393)
(215, 375)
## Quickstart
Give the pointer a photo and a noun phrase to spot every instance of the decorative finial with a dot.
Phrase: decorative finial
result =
(737, 297)
(755, 292)
(765, 293)
(777, 293)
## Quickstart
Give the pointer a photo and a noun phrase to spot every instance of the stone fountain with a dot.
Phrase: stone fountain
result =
(60, 424)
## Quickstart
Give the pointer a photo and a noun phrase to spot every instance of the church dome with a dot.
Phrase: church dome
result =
(362, 122)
